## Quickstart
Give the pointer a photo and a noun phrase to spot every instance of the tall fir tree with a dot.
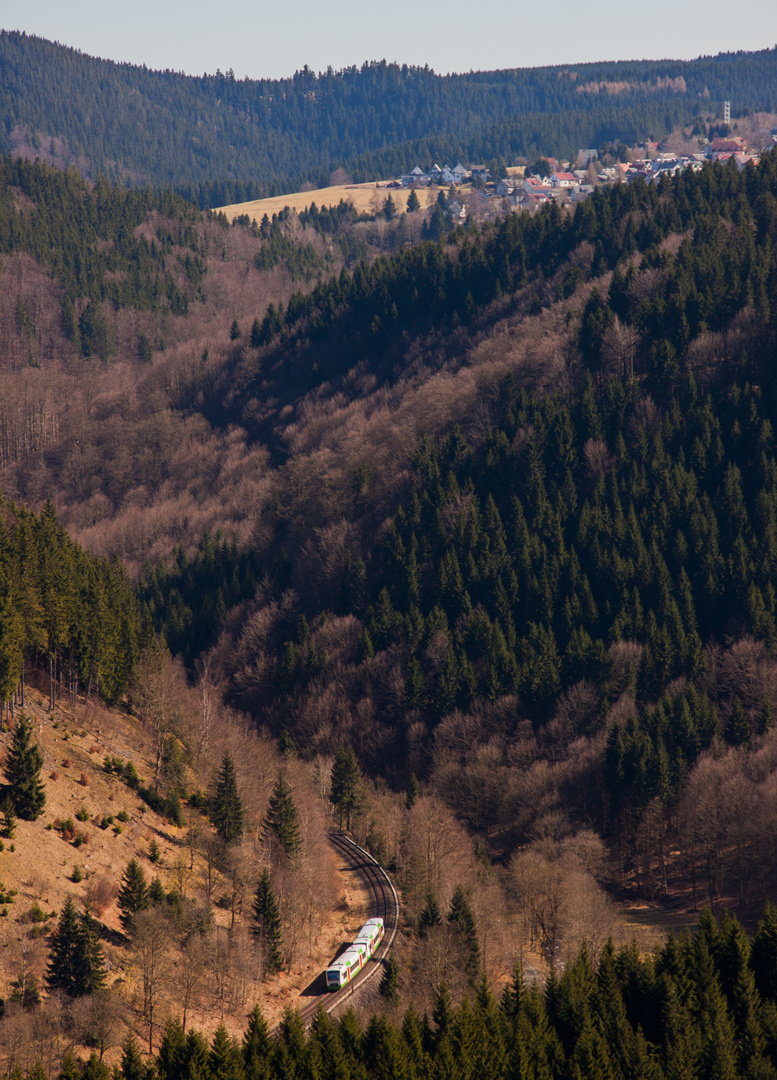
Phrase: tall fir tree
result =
(461, 917)
(256, 1047)
(267, 924)
(226, 807)
(23, 765)
(345, 788)
(281, 820)
(133, 894)
(76, 963)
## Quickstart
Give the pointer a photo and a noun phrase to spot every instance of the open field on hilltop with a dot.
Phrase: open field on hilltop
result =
(367, 198)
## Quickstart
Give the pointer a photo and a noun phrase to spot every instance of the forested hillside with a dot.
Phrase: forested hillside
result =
(223, 139)
(493, 515)
(62, 607)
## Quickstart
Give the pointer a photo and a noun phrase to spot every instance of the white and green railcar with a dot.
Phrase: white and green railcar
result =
(350, 963)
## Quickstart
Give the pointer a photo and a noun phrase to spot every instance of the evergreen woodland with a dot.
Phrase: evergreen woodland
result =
(63, 607)
(699, 1007)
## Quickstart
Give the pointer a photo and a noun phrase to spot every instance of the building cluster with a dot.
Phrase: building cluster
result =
(567, 184)
(445, 175)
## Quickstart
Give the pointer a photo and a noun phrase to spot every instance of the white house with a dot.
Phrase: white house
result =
(563, 180)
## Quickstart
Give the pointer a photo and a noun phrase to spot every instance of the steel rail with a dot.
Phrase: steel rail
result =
(386, 904)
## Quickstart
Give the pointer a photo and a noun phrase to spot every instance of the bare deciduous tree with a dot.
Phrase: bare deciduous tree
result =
(151, 938)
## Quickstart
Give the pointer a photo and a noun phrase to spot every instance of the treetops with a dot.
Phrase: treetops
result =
(699, 1006)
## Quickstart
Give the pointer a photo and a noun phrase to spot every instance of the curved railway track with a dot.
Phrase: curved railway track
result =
(384, 903)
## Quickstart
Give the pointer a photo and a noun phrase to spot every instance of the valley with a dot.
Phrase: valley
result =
(459, 532)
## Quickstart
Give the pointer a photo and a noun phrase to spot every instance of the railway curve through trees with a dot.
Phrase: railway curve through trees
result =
(384, 903)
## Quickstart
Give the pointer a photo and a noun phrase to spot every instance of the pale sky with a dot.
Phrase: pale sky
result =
(267, 40)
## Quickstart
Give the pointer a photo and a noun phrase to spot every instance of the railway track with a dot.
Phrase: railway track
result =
(384, 903)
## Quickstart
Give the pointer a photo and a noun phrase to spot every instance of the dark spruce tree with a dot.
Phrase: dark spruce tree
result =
(226, 808)
(281, 820)
(346, 785)
(133, 894)
(22, 770)
(76, 962)
(389, 982)
(267, 924)
(256, 1047)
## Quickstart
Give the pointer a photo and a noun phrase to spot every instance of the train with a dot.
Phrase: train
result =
(350, 963)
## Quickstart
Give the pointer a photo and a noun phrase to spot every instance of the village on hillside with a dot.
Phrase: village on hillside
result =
(568, 182)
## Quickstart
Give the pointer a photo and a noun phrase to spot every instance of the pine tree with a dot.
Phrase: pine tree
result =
(413, 202)
(133, 894)
(69, 1069)
(23, 764)
(281, 819)
(256, 1047)
(172, 1052)
(389, 983)
(346, 784)
(224, 1060)
(738, 725)
(90, 963)
(461, 917)
(412, 792)
(95, 1069)
(763, 954)
(430, 915)
(226, 810)
(76, 962)
(62, 969)
(9, 818)
(132, 1067)
(267, 923)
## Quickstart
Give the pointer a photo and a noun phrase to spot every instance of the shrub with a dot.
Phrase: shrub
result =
(172, 809)
(67, 828)
(82, 814)
(106, 820)
(100, 894)
(117, 830)
(131, 776)
(84, 780)
(37, 914)
(123, 816)
(76, 876)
